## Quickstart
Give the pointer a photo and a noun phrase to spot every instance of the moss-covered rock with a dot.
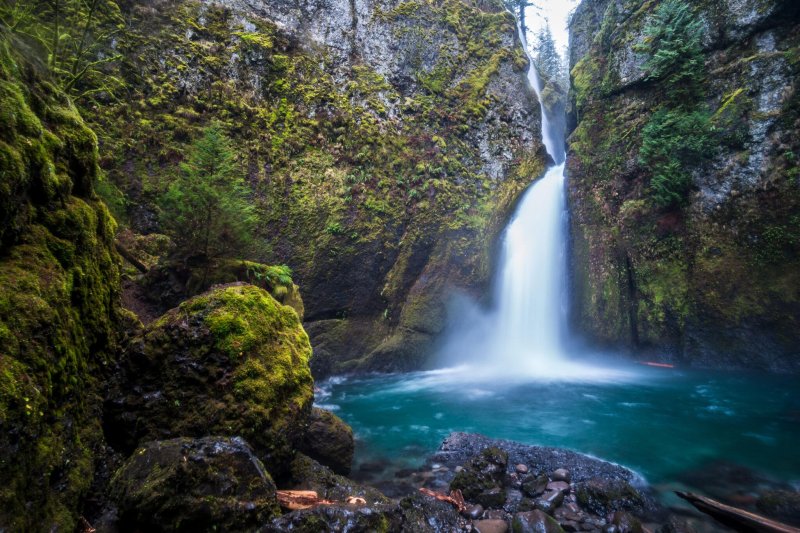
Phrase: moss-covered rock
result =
(59, 297)
(329, 440)
(231, 362)
(208, 484)
(481, 480)
(604, 496)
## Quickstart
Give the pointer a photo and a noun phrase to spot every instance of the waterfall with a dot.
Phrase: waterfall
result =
(522, 336)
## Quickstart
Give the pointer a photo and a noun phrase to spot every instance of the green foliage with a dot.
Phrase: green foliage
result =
(207, 211)
(673, 41)
(548, 60)
(75, 36)
(677, 136)
(672, 142)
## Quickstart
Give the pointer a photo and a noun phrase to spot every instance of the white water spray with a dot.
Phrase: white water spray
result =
(522, 338)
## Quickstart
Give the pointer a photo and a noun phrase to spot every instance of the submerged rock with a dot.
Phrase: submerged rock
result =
(231, 362)
(194, 485)
(329, 440)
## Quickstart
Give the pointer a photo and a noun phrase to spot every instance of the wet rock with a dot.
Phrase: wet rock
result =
(603, 496)
(561, 474)
(560, 486)
(338, 518)
(474, 511)
(328, 440)
(534, 522)
(186, 484)
(307, 474)
(521, 469)
(513, 499)
(484, 472)
(428, 515)
(491, 499)
(549, 501)
(490, 526)
(625, 523)
(535, 486)
(782, 505)
(459, 447)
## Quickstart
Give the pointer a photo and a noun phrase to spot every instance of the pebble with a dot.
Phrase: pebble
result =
(474, 511)
(522, 469)
(561, 486)
(490, 526)
(459, 469)
(561, 474)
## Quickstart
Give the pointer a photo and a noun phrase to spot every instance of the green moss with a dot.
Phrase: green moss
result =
(59, 289)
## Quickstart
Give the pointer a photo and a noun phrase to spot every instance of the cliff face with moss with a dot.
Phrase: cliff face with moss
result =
(384, 142)
(709, 276)
(59, 290)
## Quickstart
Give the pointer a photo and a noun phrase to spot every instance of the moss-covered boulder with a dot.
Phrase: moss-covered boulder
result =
(232, 362)
(603, 496)
(208, 484)
(59, 291)
(329, 440)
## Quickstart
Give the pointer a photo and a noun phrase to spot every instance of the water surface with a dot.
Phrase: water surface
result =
(662, 423)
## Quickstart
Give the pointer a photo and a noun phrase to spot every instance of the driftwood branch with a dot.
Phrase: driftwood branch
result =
(456, 499)
(738, 519)
(130, 258)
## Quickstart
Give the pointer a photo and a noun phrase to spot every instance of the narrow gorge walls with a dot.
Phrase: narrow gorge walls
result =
(684, 185)
(384, 143)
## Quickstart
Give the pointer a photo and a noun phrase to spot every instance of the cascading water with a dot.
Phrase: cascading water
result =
(523, 335)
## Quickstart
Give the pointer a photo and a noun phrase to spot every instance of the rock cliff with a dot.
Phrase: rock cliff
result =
(384, 141)
(708, 276)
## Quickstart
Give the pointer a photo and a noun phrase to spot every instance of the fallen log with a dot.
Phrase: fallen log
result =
(295, 500)
(736, 518)
(130, 258)
(455, 498)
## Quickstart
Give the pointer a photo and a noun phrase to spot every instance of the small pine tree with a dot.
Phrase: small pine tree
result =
(673, 40)
(548, 60)
(206, 210)
(678, 135)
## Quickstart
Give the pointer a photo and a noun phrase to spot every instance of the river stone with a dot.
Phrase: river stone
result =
(625, 523)
(535, 486)
(549, 501)
(561, 474)
(485, 471)
(521, 469)
(534, 522)
(493, 498)
(474, 511)
(490, 526)
(186, 484)
(604, 496)
(560, 486)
